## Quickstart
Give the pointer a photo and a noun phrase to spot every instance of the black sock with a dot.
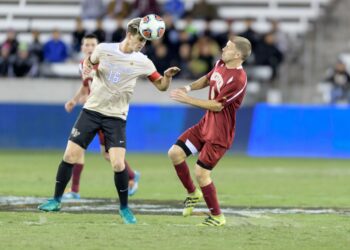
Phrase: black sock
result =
(121, 181)
(64, 173)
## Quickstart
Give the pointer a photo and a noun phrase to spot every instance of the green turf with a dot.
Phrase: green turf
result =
(239, 180)
(104, 231)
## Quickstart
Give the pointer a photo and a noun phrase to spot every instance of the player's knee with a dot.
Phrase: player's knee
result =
(118, 165)
(175, 154)
(202, 178)
(71, 157)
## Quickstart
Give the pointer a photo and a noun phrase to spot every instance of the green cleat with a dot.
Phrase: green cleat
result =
(214, 221)
(127, 216)
(191, 201)
(51, 205)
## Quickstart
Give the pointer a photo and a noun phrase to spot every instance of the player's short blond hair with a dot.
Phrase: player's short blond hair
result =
(133, 26)
(243, 45)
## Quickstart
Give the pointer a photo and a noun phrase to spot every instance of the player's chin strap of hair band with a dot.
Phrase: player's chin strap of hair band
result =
(188, 88)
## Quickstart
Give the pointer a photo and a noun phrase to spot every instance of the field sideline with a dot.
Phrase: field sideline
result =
(243, 183)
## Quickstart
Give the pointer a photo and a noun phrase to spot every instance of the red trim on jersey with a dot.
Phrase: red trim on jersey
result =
(154, 76)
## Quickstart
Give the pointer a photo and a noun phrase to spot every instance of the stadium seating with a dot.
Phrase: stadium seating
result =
(23, 16)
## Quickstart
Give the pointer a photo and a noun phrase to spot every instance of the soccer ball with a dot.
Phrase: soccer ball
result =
(152, 27)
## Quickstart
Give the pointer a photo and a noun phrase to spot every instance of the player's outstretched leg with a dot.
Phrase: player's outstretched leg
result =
(216, 218)
(121, 181)
(178, 156)
(134, 178)
(63, 176)
(73, 193)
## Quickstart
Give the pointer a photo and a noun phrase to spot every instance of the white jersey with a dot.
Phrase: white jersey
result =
(113, 84)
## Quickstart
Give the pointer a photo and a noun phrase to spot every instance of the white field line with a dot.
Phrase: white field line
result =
(14, 203)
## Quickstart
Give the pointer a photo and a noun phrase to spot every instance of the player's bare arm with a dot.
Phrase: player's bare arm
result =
(79, 97)
(201, 83)
(88, 67)
(163, 83)
(180, 95)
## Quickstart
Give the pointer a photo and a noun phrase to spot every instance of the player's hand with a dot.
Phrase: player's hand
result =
(87, 69)
(68, 106)
(87, 81)
(179, 95)
(170, 72)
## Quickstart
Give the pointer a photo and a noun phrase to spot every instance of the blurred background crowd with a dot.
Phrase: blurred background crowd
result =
(195, 35)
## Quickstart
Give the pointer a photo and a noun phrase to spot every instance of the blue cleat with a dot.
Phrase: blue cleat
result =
(71, 196)
(51, 205)
(134, 184)
(127, 216)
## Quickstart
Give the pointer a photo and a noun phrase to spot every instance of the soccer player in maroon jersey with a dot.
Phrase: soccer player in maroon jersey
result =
(89, 43)
(214, 133)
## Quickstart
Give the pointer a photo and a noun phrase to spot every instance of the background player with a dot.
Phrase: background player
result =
(120, 64)
(89, 43)
(214, 133)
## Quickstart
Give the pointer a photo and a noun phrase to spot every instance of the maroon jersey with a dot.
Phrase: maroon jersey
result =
(228, 87)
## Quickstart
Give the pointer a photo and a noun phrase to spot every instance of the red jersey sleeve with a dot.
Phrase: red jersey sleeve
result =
(232, 90)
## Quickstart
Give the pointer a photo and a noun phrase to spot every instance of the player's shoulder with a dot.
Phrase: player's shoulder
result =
(142, 56)
(106, 46)
(219, 63)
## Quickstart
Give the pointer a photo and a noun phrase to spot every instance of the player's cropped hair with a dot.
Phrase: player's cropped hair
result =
(133, 26)
(90, 36)
(243, 45)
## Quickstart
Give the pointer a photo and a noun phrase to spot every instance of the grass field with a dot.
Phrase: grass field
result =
(240, 181)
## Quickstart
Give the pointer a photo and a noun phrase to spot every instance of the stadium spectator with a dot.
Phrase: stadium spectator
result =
(23, 64)
(92, 9)
(161, 58)
(145, 7)
(118, 8)
(282, 39)
(119, 32)
(78, 35)
(171, 36)
(204, 52)
(268, 54)
(185, 60)
(55, 50)
(207, 31)
(36, 47)
(11, 41)
(189, 28)
(204, 10)
(222, 38)
(176, 8)
(99, 32)
(251, 34)
(5, 61)
(340, 80)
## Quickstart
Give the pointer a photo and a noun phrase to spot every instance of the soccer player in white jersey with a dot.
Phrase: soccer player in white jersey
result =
(120, 64)
(88, 45)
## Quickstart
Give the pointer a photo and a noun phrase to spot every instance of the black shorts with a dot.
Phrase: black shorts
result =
(90, 122)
